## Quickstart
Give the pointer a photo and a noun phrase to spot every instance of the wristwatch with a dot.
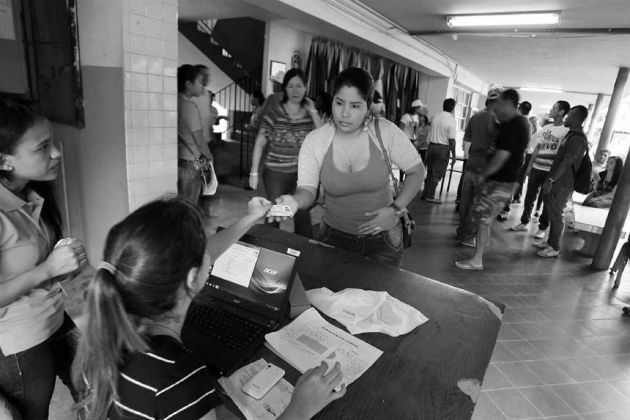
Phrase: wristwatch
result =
(398, 210)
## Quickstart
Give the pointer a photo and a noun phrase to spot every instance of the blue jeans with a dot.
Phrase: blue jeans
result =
(437, 164)
(27, 378)
(188, 180)
(555, 202)
(385, 247)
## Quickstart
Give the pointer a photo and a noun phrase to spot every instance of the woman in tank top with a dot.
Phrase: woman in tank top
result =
(361, 214)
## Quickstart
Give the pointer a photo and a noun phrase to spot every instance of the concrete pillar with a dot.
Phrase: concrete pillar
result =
(597, 109)
(614, 222)
(613, 108)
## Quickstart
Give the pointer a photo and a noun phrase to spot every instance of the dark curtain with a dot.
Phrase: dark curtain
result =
(397, 83)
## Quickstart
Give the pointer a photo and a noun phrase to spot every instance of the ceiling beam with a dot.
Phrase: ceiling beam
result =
(586, 31)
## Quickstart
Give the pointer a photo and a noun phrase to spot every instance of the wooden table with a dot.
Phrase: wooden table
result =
(418, 374)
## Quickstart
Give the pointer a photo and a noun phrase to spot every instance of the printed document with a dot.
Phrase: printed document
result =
(310, 339)
(268, 407)
(237, 264)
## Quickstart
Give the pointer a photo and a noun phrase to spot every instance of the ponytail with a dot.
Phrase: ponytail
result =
(110, 334)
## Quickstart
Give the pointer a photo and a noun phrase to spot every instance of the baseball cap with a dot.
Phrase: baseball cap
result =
(417, 103)
(277, 77)
(494, 92)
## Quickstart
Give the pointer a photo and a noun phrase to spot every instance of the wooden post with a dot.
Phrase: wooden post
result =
(597, 109)
(613, 108)
(615, 221)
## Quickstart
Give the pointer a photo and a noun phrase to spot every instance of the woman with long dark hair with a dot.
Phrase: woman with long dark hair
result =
(283, 129)
(349, 158)
(131, 356)
(35, 333)
(606, 185)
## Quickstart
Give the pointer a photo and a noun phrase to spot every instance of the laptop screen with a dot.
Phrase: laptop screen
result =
(253, 275)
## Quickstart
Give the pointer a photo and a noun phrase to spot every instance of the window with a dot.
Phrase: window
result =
(462, 108)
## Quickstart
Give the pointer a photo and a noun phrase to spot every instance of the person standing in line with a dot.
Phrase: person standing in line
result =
(422, 135)
(257, 100)
(36, 335)
(499, 177)
(377, 109)
(192, 144)
(481, 134)
(524, 108)
(284, 128)
(560, 183)
(410, 120)
(207, 112)
(441, 143)
(599, 165)
(548, 140)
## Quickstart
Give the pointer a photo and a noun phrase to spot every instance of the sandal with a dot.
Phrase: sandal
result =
(466, 265)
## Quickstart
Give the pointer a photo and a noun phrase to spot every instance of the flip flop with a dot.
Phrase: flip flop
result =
(464, 265)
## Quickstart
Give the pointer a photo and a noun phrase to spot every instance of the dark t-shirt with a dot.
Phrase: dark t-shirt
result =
(513, 136)
(166, 382)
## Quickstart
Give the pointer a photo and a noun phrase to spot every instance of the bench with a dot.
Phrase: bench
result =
(589, 222)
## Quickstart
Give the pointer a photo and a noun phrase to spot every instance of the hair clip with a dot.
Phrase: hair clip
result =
(107, 267)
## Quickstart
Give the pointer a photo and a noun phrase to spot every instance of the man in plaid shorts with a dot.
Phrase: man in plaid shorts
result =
(498, 180)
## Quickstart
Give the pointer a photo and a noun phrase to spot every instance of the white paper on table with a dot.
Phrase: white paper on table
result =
(363, 311)
(310, 339)
(268, 407)
(236, 264)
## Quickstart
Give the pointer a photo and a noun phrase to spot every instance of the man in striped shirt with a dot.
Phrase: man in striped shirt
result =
(548, 140)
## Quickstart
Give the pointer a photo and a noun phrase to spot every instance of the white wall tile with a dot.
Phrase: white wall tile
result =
(170, 49)
(139, 44)
(154, 65)
(170, 152)
(138, 24)
(139, 82)
(156, 153)
(156, 136)
(155, 119)
(141, 154)
(155, 47)
(139, 100)
(154, 83)
(169, 13)
(140, 119)
(170, 119)
(127, 80)
(154, 10)
(170, 85)
(155, 101)
(170, 102)
(170, 68)
(138, 63)
(170, 134)
(154, 28)
(169, 31)
(140, 137)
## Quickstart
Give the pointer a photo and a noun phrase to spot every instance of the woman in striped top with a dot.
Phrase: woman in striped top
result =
(131, 355)
(283, 130)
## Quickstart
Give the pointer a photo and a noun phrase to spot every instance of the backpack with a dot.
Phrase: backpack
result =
(582, 177)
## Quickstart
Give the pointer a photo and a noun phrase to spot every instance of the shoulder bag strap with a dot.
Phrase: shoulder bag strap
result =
(386, 156)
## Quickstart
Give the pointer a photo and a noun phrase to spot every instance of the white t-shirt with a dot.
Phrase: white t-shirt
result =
(548, 140)
(188, 121)
(443, 127)
(207, 114)
(410, 122)
(400, 150)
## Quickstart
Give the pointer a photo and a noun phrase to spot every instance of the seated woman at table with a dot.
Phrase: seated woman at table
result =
(361, 215)
(606, 184)
(131, 355)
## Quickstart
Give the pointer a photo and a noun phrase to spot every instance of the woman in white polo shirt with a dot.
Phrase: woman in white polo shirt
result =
(35, 343)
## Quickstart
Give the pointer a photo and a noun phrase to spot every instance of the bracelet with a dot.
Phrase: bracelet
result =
(253, 174)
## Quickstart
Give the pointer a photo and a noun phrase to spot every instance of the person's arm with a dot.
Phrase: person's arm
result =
(468, 132)
(222, 240)
(497, 161)
(201, 144)
(451, 146)
(62, 260)
(259, 146)
(452, 133)
(310, 108)
(574, 150)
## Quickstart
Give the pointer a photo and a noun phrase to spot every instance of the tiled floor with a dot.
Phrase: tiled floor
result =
(564, 348)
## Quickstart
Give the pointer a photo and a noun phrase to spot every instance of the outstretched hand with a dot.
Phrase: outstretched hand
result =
(258, 207)
(287, 200)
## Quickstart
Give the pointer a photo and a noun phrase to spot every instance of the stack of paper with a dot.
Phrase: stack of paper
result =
(310, 339)
(268, 407)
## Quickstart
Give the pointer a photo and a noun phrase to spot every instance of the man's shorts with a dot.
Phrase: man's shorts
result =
(490, 198)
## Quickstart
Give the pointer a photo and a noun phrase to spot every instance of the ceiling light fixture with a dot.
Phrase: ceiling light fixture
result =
(504, 19)
(544, 90)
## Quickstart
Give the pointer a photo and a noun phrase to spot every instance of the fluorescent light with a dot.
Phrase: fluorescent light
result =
(545, 90)
(506, 19)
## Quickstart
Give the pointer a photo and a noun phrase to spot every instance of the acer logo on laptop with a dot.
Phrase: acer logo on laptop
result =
(270, 271)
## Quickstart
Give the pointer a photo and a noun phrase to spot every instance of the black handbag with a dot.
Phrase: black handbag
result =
(406, 220)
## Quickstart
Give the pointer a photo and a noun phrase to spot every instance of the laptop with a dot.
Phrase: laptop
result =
(245, 297)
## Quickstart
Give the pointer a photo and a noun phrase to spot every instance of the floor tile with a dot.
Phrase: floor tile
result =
(607, 395)
(530, 330)
(576, 371)
(551, 348)
(502, 354)
(519, 374)
(523, 350)
(546, 401)
(622, 386)
(486, 409)
(577, 399)
(508, 333)
(514, 404)
(495, 379)
(548, 372)
(608, 367)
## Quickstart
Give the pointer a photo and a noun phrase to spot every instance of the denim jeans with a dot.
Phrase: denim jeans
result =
(522, 174)
(188, 180)
(385, 247)
(27, 378)
(555, 202)
(280, 183)
(536, 179)
(437, 163)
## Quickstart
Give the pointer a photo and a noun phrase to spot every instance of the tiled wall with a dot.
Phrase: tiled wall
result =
(150, 89)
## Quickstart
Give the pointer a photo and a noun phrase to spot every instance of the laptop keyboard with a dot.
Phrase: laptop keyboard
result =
(233, 331)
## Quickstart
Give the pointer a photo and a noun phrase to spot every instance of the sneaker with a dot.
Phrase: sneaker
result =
(472, 242)
(548, 252)
(540, 245)
(519, 228)
(432, 200)
(540, 234)
(502, 218)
